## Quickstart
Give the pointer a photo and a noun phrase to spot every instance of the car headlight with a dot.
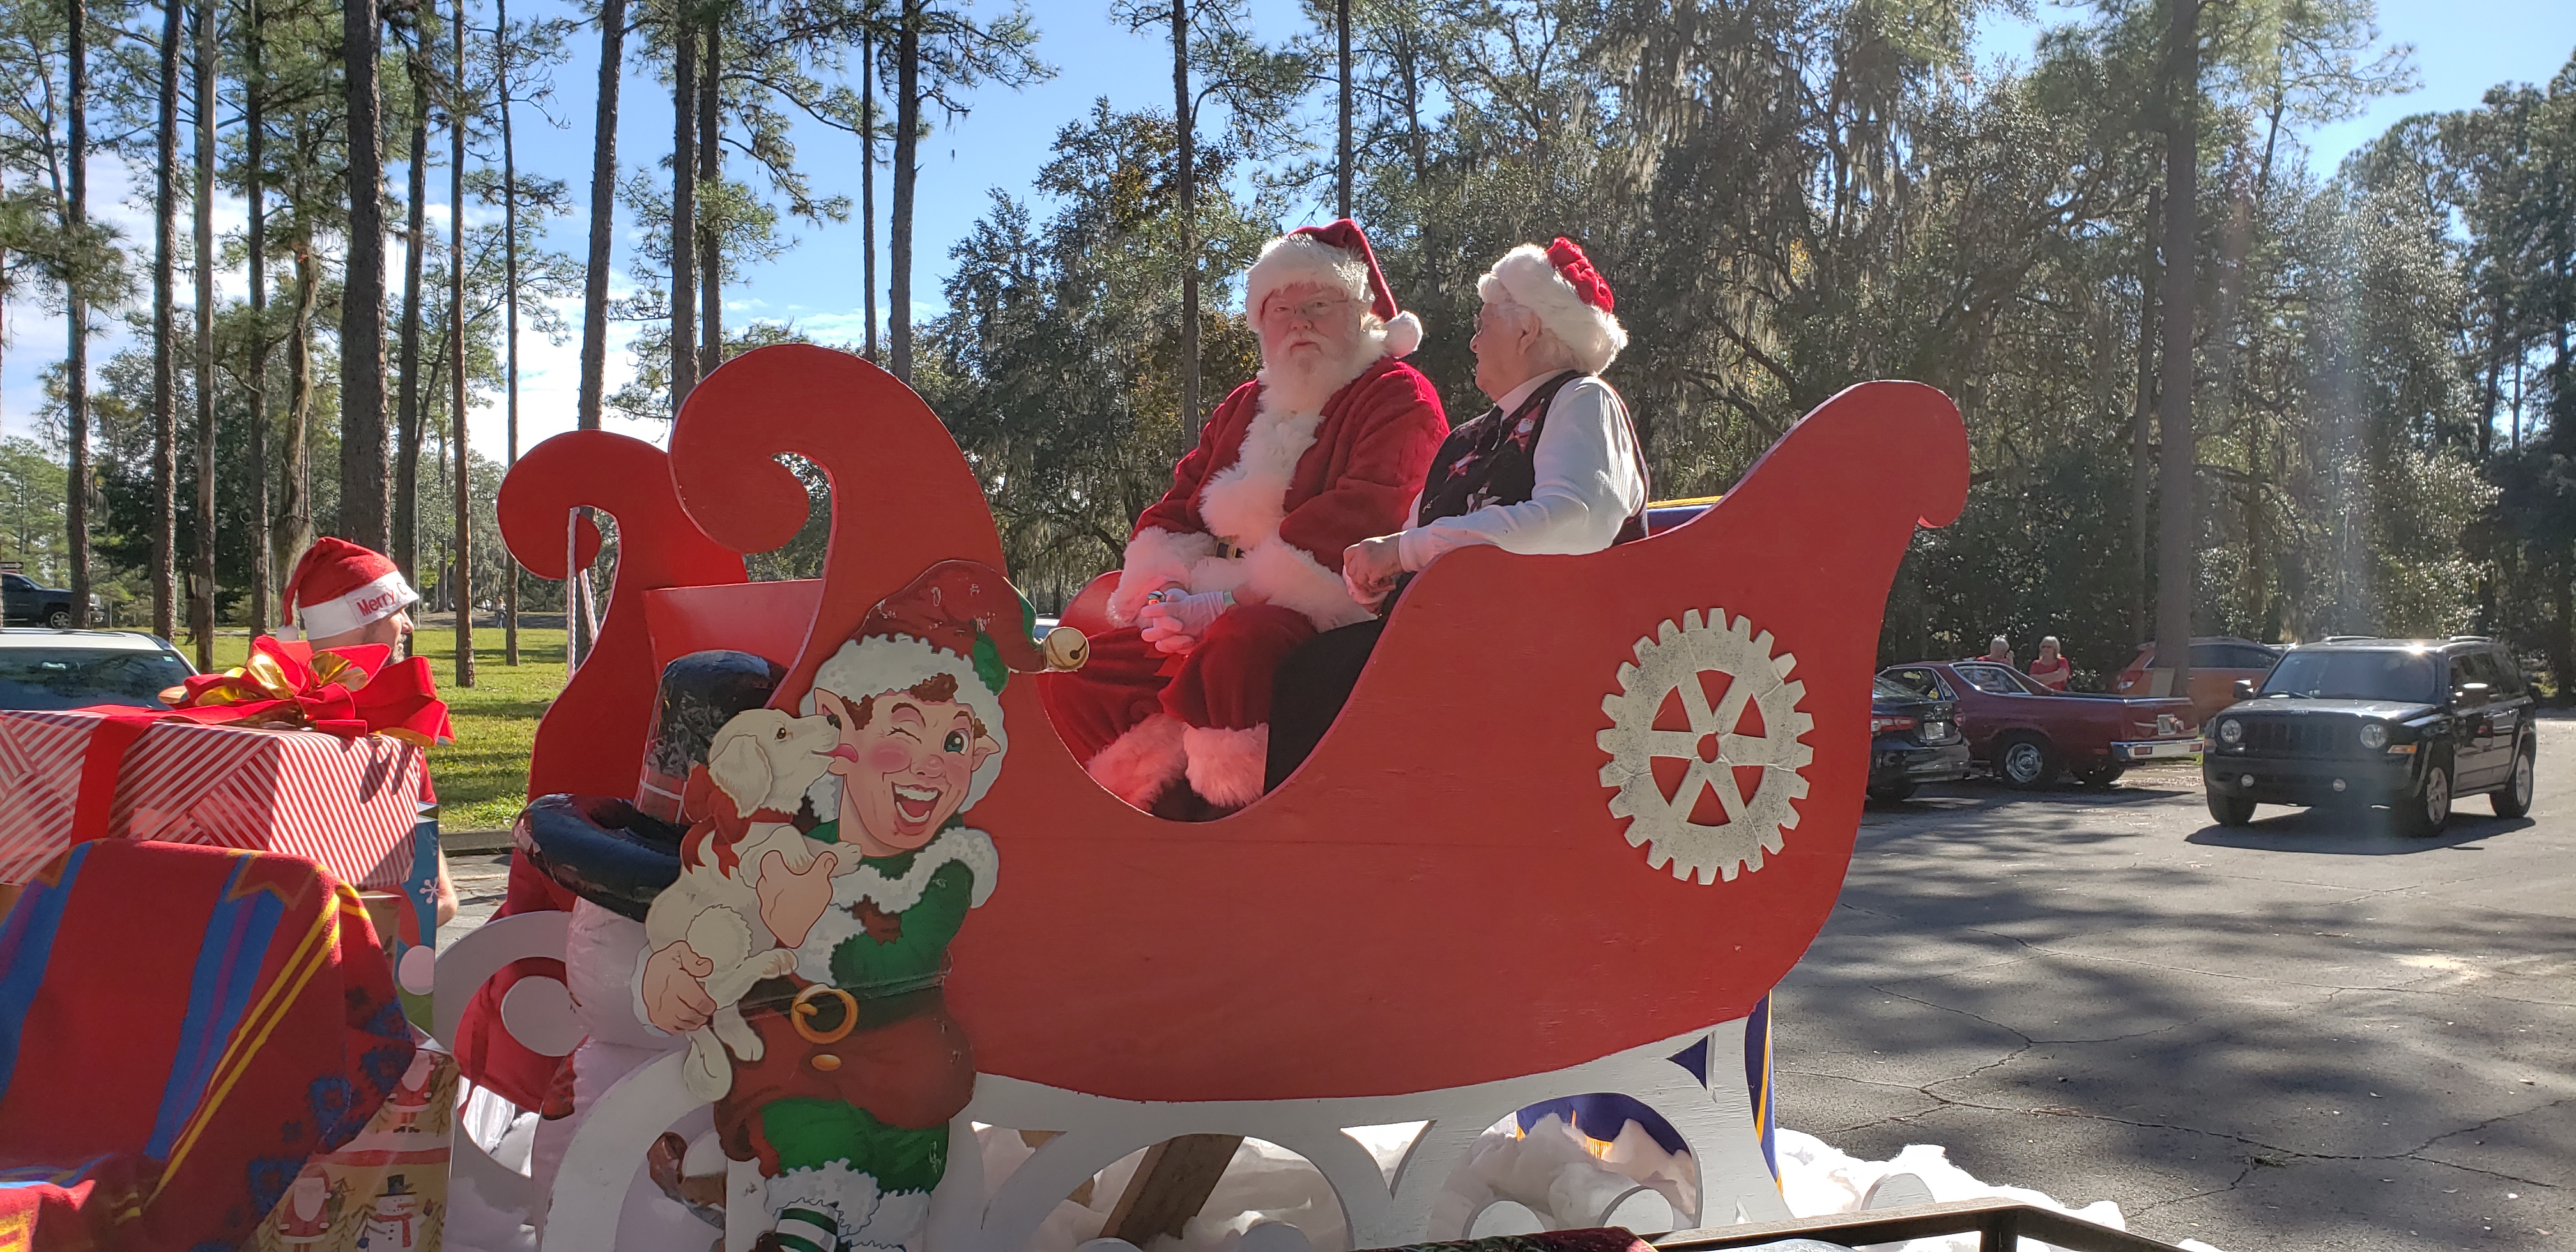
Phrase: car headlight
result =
(2374, 736)
(2230, 731)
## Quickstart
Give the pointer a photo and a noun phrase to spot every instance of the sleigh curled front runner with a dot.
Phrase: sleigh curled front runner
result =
(1580, 815)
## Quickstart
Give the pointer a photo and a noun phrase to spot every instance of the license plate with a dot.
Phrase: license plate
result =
(1935, 732)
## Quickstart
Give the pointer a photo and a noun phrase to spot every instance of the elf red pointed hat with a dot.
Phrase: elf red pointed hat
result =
(338, 587)
(1336, 256)
(1570, 297)
(960, 620)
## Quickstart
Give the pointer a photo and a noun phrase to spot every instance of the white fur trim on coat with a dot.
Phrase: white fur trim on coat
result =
(1527, 278)
(957, 845)
(874, 665)
(1155, 558)
(1245, 502)
(1290, 577)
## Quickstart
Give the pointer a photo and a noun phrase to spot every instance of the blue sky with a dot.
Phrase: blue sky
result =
(2462, 47)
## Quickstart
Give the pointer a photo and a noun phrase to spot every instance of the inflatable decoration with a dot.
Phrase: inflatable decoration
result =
(1475, 897)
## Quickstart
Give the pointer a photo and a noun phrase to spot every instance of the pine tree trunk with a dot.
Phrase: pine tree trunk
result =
(603, 223)
(204, 593)
(2142, 436)
(1185, 123)
(868, 179)
(365, 504)
(510, 306)
(2177, 551)
(907, 167)
(76, 316)
(461, 505)
(710, 169)
(165, 348)
(253, 138)
(298, 464)
(1342, 161)
(684, 215)
(406, 534)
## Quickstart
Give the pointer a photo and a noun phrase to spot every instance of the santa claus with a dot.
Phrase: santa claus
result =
(1241, 560)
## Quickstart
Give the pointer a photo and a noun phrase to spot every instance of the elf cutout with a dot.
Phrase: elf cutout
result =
(860, 1068)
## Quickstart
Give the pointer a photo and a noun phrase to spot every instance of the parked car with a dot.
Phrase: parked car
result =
(2410, 723)
(2218, 663)
(1913, 739)
(24, 603)
(72, 669)
(2028, 734)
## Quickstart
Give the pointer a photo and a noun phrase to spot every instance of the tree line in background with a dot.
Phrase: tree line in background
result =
(2207, 390)
(182, 477)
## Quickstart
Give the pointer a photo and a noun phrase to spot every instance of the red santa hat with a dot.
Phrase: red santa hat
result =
(1336, 256)
(1559, 284)
(338, 587)
(959, 619)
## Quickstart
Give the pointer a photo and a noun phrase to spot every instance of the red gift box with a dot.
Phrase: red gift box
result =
(348, 803)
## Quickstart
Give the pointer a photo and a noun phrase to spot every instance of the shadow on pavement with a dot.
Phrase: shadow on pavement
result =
(2353, 832)
(2297, 1065)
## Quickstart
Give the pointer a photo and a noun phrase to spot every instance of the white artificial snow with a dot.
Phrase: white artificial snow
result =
(1564, 1178)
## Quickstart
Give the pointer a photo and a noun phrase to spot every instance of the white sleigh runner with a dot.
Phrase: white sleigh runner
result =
(1570, 861)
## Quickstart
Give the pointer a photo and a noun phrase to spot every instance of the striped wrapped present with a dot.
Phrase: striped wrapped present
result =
(350, 804)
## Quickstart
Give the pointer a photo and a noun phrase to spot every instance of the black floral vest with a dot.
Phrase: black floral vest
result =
(1494, 460)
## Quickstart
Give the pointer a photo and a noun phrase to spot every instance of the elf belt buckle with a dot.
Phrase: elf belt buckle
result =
(805, 1009)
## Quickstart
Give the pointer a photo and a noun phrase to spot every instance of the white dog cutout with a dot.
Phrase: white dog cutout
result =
(763, 760)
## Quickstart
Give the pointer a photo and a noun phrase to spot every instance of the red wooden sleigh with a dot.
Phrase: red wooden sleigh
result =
(1577, 806)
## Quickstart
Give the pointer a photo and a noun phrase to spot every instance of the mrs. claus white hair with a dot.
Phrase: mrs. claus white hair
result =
(1527, 278)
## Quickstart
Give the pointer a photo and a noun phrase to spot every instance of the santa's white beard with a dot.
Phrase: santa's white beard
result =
(1301, 384)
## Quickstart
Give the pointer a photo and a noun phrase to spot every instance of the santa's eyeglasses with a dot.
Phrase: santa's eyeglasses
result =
(1312, 312)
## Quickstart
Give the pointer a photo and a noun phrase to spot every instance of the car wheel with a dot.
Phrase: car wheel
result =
(2515, 799)
(2231, 810)
(1891, 792)
(2101, 775)
(2423, 812)
(59, 619)
(2025, 761)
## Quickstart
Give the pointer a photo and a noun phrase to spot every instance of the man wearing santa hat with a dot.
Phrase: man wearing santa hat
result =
(1241, 561)
(343, 594)
(1553, 467)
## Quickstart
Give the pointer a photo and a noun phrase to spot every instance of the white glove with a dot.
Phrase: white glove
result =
(1173, 621)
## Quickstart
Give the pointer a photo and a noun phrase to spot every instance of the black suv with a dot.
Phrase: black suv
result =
(22, 602)
(2409, 723)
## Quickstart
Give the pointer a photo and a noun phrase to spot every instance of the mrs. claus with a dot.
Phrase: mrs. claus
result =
(1241, 560)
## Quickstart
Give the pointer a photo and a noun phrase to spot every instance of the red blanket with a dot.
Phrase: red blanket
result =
(181, 1028)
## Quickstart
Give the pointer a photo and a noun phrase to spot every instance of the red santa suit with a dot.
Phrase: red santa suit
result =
(1262, 508)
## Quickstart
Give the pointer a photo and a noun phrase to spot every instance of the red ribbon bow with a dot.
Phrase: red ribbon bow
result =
(348, 692)
(1576, 268)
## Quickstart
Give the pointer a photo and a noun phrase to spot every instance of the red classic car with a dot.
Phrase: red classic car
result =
(2027, 734)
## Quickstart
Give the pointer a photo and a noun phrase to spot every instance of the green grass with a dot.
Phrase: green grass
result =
(482, 778)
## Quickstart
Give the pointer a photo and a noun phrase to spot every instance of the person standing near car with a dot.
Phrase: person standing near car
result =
(2050, 668)
(1999, 651)
(345, 595)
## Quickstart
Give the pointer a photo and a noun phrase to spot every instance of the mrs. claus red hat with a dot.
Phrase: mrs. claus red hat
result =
(339, 586)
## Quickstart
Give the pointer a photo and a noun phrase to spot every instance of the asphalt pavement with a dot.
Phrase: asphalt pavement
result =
(2304, 1034)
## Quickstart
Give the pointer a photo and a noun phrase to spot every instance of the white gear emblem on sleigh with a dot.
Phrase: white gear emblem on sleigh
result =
(1668, 671)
